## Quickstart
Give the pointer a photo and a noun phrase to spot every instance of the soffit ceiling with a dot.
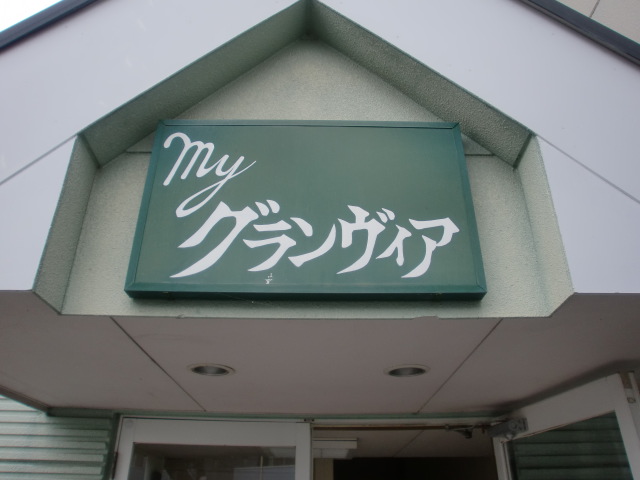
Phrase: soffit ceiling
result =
(318, 369)
(311, 367)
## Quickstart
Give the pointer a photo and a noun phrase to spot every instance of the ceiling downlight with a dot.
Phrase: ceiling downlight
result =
(211, 369)
(402, 371)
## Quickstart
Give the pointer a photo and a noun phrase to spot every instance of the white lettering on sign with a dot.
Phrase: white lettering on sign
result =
(218, 168)
(245, 217)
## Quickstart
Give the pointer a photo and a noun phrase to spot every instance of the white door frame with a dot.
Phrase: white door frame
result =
(214, 432)
(615, 393)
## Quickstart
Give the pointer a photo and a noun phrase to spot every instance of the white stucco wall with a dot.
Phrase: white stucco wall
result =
(581, 99)
(28, 200)
(64, 78)
(599, 223)
(578, 97)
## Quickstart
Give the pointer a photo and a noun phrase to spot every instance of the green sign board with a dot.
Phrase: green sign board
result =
(306, 209)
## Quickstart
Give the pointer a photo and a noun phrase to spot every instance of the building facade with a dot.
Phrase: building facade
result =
(548, 121)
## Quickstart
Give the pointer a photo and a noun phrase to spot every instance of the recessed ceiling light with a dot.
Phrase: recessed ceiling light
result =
(211, 369)
(407, 370)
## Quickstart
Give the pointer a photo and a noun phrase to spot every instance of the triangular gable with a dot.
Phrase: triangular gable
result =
(133, 121)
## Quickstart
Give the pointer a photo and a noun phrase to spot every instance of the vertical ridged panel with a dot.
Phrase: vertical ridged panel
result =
(591, 449)
(34, 446)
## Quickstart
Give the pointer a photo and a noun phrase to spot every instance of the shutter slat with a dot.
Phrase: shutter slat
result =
(52, 430)
(50, 442)
(575, 474)
(571, 461)
(48, 476)
(589, 450)
(48, 454)
(40, 417)
(550, 449)
(50, 467)
(35, 446)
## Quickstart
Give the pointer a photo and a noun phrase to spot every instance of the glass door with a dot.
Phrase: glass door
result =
(169, 449)
(590, 432)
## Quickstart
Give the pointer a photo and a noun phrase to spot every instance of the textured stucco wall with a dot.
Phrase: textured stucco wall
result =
(55, 266)
(309, 80)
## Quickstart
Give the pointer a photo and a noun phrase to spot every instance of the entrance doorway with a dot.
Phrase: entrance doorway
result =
(483, 449)
(438, 451)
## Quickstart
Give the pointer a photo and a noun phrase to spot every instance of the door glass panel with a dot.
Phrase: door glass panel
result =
(201, 462)
(591, 449)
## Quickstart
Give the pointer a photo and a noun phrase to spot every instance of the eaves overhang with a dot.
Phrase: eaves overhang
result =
(41, 20)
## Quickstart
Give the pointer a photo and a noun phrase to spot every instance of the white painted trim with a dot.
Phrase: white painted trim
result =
(304, 457)
(634, 401)
(124, 449)
(502, 459)
(588, 401)
(628, 415)
(214, 432)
